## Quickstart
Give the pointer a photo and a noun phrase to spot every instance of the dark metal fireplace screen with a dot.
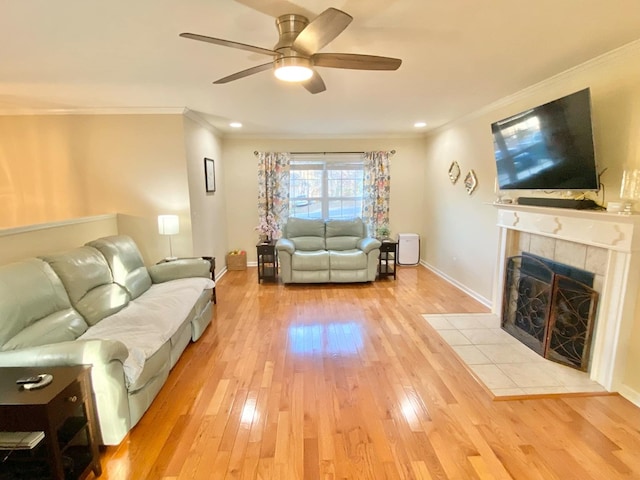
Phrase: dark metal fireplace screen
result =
(550, 312)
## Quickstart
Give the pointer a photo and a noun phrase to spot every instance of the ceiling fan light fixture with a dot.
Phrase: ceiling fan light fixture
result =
(293, 69)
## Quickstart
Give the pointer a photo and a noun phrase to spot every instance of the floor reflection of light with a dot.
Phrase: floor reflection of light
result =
(249, 412)
(332, 338)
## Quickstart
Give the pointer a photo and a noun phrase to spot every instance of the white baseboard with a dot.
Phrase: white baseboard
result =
(487, 303)
(630, 394)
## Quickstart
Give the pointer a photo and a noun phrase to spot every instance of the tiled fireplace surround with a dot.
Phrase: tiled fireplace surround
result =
(605, 244)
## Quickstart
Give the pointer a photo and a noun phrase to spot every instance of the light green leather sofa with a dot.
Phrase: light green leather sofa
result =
(318, 251)
(99, 305)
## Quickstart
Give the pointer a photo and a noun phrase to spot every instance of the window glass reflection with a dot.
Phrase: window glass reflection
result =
(318, 339)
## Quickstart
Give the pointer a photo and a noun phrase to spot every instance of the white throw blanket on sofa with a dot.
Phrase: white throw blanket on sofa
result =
(149, 320)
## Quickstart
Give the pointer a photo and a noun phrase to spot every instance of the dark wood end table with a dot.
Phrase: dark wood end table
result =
(64, 410)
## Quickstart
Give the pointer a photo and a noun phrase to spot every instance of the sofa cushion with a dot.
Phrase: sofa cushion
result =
(149, 321)
(317, 260)
(306, 234)
(303, 227)
(87, 278)
(347, 260)
(126, 263)
(344, 234)
(35, 307)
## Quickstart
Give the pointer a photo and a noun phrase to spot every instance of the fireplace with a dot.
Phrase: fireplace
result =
(550, 307)
(614, 240)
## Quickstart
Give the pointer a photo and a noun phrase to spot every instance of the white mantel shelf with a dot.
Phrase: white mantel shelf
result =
(620, 236)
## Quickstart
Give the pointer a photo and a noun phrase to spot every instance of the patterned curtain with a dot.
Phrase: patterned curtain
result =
(273, 192)
(376, 191)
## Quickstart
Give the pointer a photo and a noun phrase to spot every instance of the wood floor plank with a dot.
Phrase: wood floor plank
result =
(340, 382)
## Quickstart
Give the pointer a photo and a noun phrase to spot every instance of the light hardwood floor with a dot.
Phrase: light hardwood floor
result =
(350, 382)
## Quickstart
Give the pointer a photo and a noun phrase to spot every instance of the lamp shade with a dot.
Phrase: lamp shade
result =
(168, 224)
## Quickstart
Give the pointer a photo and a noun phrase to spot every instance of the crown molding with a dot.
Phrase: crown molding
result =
(200, 120)
(626, 50)
(95, 111)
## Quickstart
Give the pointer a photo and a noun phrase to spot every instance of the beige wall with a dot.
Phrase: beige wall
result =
(62, 167)
(208, 210)
(241, 181)
(20, 243)
(462, 234)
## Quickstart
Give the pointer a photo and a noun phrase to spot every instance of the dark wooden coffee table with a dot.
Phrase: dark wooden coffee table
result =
(63, 410)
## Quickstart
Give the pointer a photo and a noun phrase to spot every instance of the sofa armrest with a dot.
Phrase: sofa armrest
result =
(77, 352)
(285, 245)
(181, 268)
(367, 244)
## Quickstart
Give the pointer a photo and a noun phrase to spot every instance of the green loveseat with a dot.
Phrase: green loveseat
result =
(318, 251)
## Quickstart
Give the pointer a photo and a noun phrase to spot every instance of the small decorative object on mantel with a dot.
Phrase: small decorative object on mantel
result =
(454, 172)
(267, 228)
(470, 182)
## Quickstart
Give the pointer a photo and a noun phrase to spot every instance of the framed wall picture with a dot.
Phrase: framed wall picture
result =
(209, 175)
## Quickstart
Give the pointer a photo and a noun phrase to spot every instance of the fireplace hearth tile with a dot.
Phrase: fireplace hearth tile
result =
(454, 337)
(479, 336)
(507, 353)
(492, 376)
(438, 322)
(524, 375)
(502, 374)
(471, 355)
(474, 322)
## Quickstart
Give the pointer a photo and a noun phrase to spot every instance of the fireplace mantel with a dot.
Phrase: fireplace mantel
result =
(620, 236)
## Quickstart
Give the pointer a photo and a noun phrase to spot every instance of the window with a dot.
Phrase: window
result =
(326, 188)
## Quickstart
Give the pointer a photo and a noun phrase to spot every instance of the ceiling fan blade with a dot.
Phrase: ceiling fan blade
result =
(315, 84)
(324, 28)
(245, 73)
(355, 62)
(229, 43)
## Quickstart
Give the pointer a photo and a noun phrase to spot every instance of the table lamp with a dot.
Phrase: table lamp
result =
(630, 189)
(169, 225)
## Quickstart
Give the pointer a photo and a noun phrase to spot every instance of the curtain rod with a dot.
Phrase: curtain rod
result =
(393, 152)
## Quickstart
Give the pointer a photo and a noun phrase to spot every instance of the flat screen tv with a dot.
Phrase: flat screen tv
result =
(549, 147)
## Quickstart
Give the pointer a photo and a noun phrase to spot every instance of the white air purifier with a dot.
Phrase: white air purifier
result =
(408, 249)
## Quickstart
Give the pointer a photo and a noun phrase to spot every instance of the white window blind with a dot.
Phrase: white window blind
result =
(326, 186)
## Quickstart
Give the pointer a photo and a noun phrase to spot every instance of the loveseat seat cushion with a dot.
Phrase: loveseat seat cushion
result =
(87, 279)
(347, 260)
(35, 307)
(127, 266)
(317, 260)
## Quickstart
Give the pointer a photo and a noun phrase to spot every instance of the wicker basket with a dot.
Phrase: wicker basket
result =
(236, 262)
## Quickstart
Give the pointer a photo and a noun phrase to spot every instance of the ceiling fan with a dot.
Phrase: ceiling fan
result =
(296, 52)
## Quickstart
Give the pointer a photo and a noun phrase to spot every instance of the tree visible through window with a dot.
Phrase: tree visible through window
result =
(326, 188)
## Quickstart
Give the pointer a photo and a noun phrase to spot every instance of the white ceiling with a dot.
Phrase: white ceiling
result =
(458, 55)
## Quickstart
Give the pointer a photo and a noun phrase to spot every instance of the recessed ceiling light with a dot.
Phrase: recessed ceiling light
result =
(235, 125)
(420, 124)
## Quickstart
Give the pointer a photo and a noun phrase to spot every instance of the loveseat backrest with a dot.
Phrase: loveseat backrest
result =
(305, 234)
(344, 234)
(126, 264)
(35, 307)
(87, 278)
